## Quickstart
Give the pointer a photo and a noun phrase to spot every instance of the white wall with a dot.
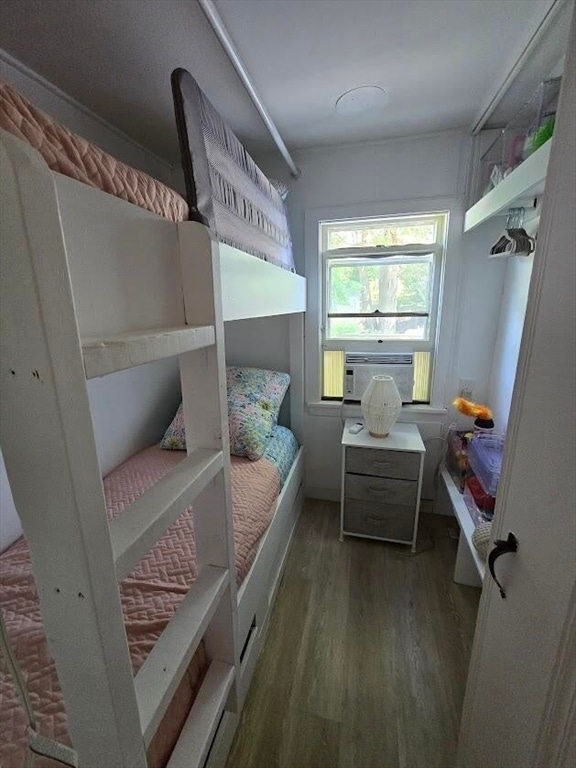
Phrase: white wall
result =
(130, 409)
(480, 301)
(427, 167)
(261, 342)
(510, 327)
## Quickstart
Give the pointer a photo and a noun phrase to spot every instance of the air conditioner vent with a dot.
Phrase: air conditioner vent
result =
(379, 358)
(359, 368)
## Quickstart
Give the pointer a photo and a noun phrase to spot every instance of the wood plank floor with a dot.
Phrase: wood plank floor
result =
(365, 661)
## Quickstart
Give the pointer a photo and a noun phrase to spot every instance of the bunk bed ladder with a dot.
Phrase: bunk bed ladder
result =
(204, 398)
(48, 443)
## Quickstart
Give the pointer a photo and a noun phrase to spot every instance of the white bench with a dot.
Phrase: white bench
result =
(469, 568)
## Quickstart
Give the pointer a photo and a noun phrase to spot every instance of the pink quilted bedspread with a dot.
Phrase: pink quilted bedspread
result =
(150, 594)
(73, 156)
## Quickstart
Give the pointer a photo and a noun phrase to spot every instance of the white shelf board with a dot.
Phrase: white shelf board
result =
(196, 736)
(135, 531)
(107, 354)
(525, 181)
(464, 519)
(167, 662)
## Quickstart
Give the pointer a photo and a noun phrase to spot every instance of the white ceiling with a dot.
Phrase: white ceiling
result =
(439, 60)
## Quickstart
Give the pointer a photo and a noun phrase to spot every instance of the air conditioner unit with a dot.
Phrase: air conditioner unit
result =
(359, 367)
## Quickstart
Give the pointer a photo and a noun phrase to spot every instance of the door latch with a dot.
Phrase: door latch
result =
(501, 547)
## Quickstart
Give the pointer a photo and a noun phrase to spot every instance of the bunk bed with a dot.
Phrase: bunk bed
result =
(104, 269)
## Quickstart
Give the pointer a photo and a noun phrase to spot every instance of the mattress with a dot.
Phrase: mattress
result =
(224, 186)
(149, 595)
(73, 156)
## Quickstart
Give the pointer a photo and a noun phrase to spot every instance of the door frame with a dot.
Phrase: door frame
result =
(556, 739)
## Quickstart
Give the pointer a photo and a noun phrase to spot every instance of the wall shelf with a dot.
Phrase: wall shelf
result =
(519, 188)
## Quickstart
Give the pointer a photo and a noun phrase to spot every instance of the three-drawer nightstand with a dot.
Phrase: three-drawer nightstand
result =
(381, 484)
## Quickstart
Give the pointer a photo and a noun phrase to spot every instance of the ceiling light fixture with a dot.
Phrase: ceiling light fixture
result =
(360, 100)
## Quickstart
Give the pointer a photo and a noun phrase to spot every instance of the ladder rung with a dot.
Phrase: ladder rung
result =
(166, 663)
(196, 736)
(106, 354)
(135, 531)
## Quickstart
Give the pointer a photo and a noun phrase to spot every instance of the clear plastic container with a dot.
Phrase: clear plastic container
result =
(475, 512)
(485, 460)
(528, 130)
(477, 500)
(457, 456)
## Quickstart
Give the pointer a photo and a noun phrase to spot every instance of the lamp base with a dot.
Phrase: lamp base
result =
(375, 434)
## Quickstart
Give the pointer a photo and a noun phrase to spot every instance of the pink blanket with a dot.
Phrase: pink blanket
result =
(73, 156)
(150, 594)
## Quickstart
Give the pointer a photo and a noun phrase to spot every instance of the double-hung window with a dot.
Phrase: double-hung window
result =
(382, 284)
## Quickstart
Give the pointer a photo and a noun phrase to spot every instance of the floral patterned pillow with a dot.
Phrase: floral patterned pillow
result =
(175, 436)
(254, 399)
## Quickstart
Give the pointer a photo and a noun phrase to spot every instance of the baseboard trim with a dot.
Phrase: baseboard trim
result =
(324, 494)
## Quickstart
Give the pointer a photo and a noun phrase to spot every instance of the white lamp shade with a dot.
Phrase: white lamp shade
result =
(381, 405)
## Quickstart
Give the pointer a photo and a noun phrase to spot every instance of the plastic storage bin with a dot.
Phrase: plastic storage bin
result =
(480, 504)
(475, 512)
(485, 460)
(457, 456)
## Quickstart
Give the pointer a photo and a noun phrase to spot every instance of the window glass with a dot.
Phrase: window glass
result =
(391, 286)
(364, 234)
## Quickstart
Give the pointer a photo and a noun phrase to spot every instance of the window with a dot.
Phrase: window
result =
(382, 280)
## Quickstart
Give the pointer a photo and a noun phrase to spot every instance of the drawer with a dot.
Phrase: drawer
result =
(374, 461)
(382, 490)
(384, 521)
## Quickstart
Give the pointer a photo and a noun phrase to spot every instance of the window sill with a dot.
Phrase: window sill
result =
(410, 413)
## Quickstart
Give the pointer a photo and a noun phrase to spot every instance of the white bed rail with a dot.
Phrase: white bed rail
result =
(254, 288)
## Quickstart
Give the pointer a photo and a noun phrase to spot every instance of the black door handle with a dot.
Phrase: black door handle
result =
(501, 547)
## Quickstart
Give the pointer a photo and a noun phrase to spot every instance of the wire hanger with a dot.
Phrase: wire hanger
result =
(514, 241)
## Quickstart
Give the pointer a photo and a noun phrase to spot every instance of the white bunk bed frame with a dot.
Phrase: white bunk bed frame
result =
(90, 285)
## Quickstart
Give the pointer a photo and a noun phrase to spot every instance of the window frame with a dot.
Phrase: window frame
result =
(450, 301)
(438, 251)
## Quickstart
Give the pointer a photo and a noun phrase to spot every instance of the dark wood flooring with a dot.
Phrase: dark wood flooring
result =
(365, 661)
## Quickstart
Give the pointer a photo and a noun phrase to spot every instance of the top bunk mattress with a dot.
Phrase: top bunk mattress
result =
(71, 155)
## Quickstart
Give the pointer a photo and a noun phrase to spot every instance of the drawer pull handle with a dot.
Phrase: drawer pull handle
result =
(377, 490)
(375, 520)
(382, 463)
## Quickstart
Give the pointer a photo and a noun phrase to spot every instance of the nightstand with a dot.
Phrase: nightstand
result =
(381, 484)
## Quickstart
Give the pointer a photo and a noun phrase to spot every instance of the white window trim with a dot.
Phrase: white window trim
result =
(448, 300)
